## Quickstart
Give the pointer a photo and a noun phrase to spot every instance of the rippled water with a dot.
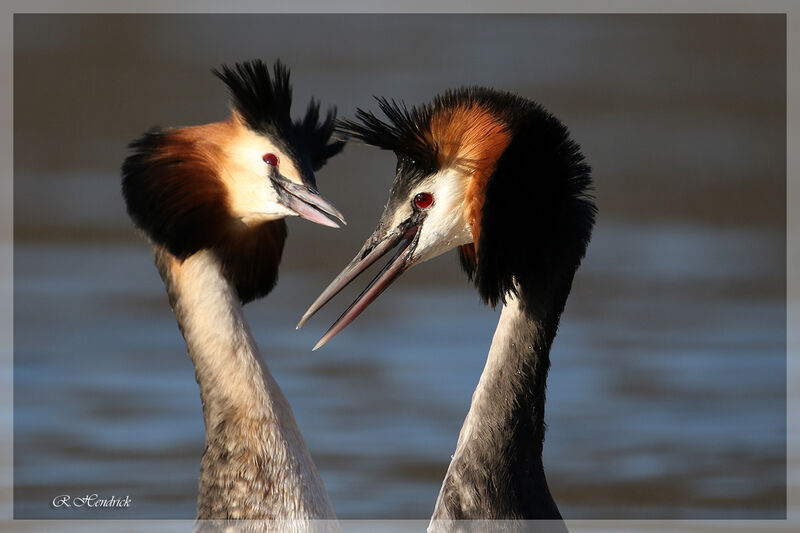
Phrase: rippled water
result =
(666, 397)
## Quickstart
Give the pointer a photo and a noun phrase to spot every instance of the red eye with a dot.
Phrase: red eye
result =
(423, 200)
(271, 159)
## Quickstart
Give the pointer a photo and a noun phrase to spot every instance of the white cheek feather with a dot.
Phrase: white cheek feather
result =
(445, 226)
(251, 195)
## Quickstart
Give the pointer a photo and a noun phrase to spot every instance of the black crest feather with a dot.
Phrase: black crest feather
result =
(403, 133)
(265, 102)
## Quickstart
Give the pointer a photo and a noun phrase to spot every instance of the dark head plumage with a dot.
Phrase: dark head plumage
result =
(534, 196)
(486, 171)
(178, 187)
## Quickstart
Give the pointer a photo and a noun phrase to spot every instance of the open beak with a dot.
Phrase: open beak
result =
(404, 238)
(307, 202)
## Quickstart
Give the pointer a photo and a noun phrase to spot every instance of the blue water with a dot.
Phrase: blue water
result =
(661, 376)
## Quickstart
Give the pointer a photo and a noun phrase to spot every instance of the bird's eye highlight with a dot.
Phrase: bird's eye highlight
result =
(423, 200)
(271, 159)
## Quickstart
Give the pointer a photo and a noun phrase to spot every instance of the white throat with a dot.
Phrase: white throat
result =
(256, 464)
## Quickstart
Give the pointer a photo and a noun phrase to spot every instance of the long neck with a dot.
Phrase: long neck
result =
(496, 471)
(256, 464)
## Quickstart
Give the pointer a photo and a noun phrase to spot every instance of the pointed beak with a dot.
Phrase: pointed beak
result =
(404, 239)
(307, 202)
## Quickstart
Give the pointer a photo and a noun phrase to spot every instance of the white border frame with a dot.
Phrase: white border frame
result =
(792, 11)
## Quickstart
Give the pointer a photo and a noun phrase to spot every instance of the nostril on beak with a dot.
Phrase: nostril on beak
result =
(367, 252)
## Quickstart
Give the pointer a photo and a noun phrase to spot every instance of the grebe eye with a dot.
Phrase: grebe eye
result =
(271, 159)
(423, 200)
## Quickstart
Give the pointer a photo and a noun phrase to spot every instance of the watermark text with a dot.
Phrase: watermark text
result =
(91, 501)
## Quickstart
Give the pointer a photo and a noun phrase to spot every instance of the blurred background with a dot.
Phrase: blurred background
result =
(667, 392)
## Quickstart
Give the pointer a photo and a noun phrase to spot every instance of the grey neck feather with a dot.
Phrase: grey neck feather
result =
(496, 471)
(256, 464)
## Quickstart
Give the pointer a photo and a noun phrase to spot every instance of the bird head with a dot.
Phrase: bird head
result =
(226, 186)
(487, 172)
